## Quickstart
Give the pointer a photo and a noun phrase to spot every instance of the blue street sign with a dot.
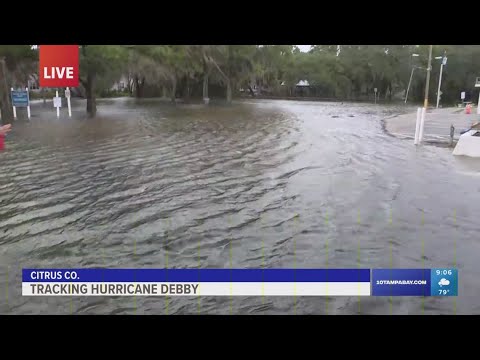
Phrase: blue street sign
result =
(20, 98)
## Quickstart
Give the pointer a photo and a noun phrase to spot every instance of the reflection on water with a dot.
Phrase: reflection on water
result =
(147, 183)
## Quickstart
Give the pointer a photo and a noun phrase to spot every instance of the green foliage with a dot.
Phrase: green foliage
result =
(46, 93)
(16, 55)
(17, 63)
(333, 71)
(105, 61)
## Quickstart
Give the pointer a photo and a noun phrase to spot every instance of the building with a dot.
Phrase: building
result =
(120, 85)
(33, 83)
(302, 88)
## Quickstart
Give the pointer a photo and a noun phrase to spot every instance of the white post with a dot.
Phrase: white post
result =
(422, 124)
(417, 126)
(58, 109)
(439, 84)
(68, 102)
(14, 109)
(28, 106)
(478, 104)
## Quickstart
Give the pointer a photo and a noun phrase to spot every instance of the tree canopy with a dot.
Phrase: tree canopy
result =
(343, 72)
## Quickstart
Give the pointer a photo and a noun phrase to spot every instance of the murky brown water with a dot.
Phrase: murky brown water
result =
(148, 184)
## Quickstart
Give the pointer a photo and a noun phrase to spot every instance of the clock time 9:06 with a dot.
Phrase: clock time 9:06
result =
(444, 272)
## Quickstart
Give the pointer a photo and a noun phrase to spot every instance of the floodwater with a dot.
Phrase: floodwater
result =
(150, 185)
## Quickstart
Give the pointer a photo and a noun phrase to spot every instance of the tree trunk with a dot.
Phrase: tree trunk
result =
(90, 94)
(174, 90)
(130, 85)
(205, 86)
(251, 90)
(229, 92)
(228, 82)
(187, 89)
(164, 92)
(139, 86)
(5, 108)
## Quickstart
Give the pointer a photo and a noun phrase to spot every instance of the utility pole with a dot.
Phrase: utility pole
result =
(429, 69)
(425, 103)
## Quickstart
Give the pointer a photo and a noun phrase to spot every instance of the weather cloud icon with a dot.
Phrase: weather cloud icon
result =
(444, 282)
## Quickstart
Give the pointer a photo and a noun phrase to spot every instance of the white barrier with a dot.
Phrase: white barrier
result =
(29, 114)
(67, 95)
(422, 125)
(417, 125)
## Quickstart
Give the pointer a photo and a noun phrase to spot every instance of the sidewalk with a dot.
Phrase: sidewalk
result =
(437, 124)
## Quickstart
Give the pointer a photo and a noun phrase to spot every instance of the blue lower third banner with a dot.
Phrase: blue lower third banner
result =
(240, 282)
(196, 282)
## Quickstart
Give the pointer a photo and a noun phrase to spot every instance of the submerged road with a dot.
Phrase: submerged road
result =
(437, 124)
(146, 184)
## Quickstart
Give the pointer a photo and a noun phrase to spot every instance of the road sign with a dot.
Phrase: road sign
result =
(57, 102)
(375, 89)
(67, 93)
(477, 82)
(20, 98)
(444, 61)
(462, 95)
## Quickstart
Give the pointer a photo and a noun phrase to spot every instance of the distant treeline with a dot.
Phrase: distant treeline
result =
(346, 72)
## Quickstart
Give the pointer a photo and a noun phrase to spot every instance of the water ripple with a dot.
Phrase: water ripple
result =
(149, 184)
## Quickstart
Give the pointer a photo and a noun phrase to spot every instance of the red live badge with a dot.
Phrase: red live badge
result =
(59, 66)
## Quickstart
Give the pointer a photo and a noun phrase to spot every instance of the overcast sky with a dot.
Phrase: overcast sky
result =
(304, 47)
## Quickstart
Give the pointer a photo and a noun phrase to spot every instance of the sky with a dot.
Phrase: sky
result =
(304, 48)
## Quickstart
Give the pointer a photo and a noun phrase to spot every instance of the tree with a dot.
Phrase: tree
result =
(17, 62)
(333, 49)
(145, 65)
(206, 53)
(235, 65)
(334, 71)
(97, 62)
(271, 62)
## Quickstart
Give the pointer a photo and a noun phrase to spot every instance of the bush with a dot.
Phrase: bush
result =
(36, 95)
(113, 93)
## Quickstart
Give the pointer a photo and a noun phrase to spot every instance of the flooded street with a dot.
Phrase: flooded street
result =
(148, 185)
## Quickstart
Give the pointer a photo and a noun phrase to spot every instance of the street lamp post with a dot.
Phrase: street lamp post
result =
(411, 76)
(410, 81)
(444, 62)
